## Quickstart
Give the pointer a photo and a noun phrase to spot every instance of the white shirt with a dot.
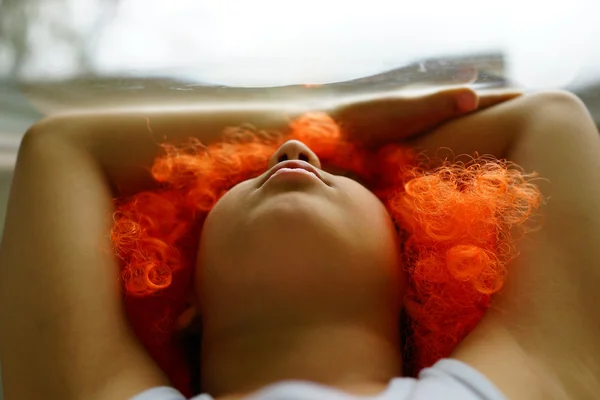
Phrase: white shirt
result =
(448, 380)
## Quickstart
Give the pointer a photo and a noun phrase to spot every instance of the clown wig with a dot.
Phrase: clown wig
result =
(455, 222)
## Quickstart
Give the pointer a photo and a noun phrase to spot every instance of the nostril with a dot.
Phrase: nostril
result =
(293, 150)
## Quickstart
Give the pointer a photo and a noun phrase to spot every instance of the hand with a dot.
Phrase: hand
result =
(384, 120)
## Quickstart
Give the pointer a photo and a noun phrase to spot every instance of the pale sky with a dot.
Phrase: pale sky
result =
(548, 43)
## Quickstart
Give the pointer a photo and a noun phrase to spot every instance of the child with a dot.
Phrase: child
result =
(66, 335)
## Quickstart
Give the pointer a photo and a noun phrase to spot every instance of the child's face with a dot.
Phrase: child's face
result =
(297, 244)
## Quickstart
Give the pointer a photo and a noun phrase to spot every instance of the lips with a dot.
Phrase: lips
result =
(293, 164)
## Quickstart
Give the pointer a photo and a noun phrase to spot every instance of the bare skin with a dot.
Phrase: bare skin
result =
(310, 260)
(68, 337)
(58, 280)
(540, 338)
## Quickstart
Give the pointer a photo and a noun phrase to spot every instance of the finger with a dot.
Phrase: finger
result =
(490, 131)
(464, 135)
(491, 98)
(380, 121)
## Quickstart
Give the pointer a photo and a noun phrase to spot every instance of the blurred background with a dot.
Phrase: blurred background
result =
(64, 55)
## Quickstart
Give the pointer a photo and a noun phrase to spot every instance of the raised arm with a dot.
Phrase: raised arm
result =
(540, 338)
(64, 334)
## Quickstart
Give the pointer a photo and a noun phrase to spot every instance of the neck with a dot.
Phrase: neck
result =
(359, 357)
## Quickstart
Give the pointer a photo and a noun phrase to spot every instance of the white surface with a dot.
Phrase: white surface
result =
(448, 379)
(548, 43)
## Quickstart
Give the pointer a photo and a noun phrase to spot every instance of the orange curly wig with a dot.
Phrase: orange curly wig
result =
(455, 223)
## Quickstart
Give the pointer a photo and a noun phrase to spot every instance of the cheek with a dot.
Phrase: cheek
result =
(218, 241)
(368, 212)
(372, 227)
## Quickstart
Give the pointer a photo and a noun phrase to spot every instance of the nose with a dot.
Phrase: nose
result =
(295, 150)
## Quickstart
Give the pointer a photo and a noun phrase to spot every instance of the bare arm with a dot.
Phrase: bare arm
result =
(64, 331)
(540, 339)
(125, 142)
(64, 334)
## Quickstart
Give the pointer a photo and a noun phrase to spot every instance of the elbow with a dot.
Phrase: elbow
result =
(43, 128)
(553, 103)
(41, 138)
(559, 110)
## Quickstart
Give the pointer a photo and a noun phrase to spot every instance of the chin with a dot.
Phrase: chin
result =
(291, 205)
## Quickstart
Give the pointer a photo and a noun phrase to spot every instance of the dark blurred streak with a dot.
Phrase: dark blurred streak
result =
(93, 90)
(87, 88)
